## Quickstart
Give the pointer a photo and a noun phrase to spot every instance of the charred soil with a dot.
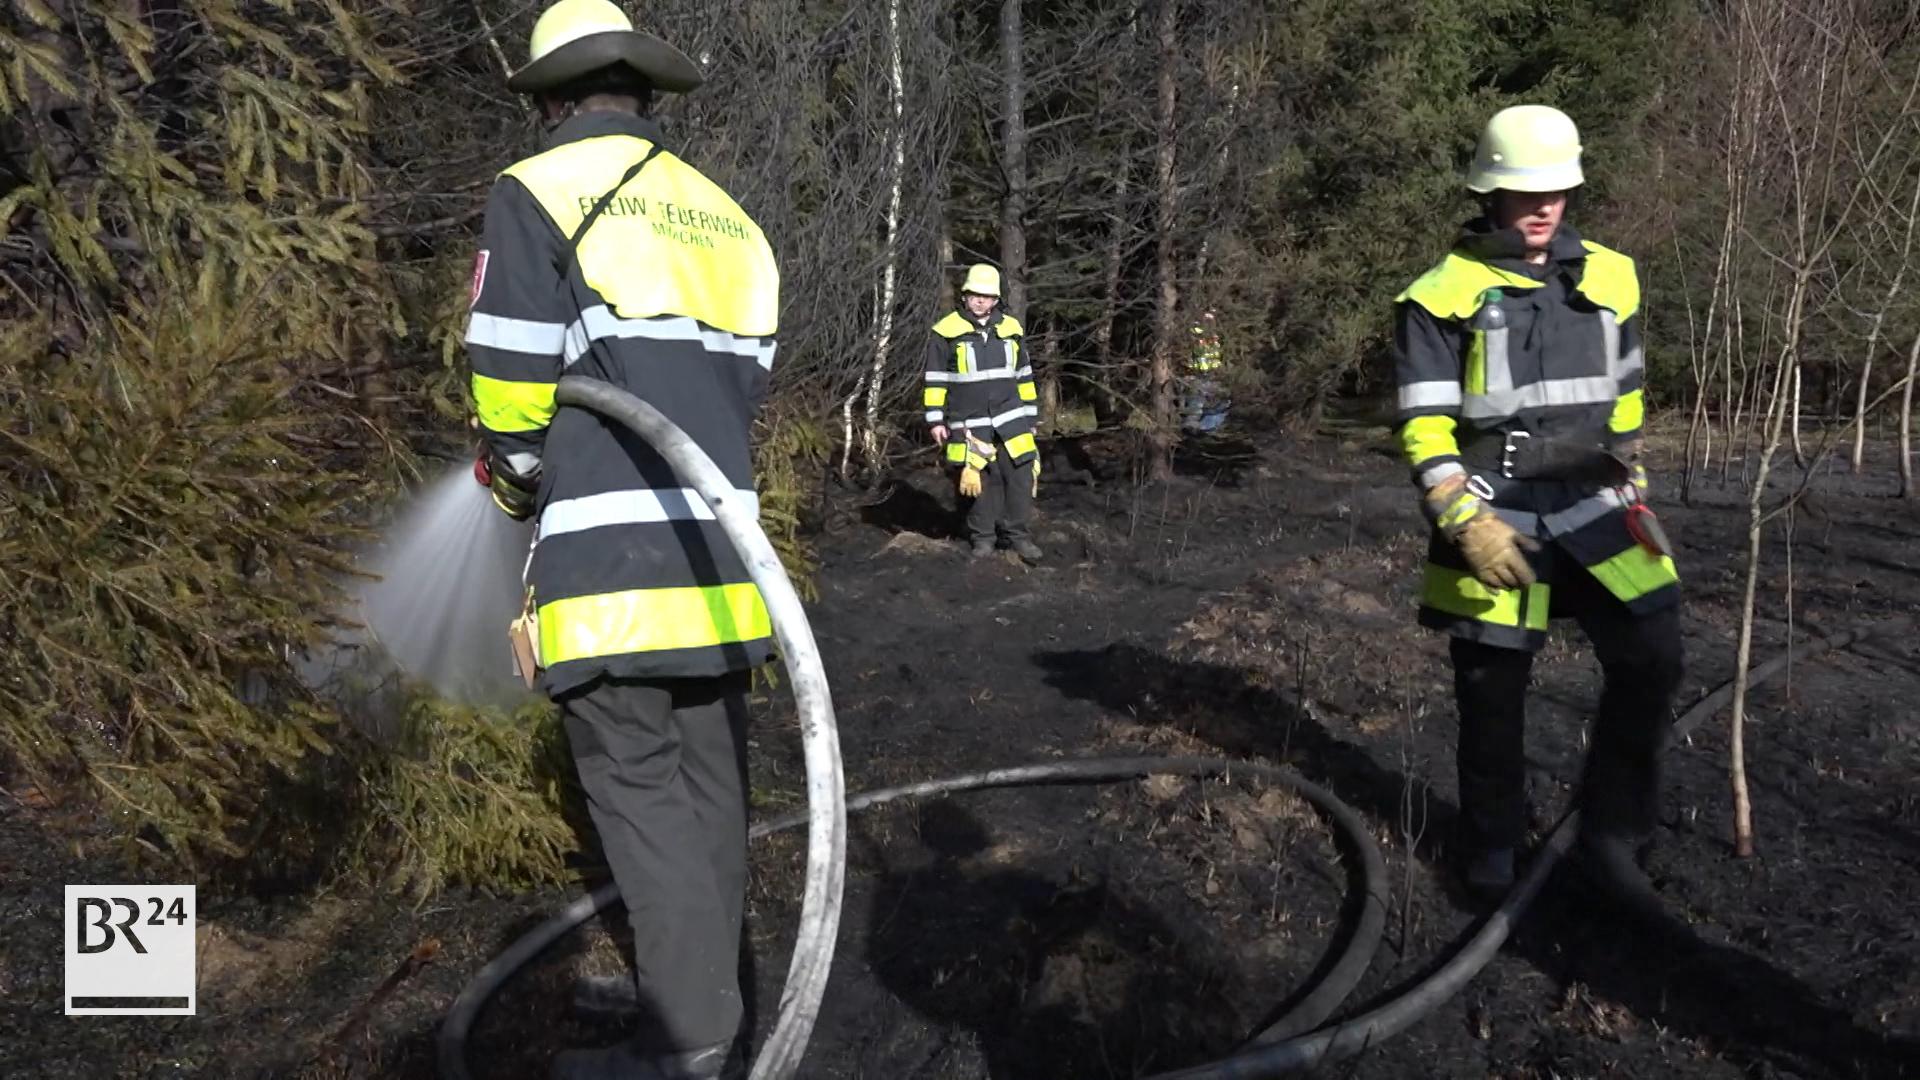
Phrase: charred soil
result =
(1258, 606)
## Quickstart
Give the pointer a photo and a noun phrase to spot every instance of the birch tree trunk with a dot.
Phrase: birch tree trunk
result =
(1873, 335)
(1906, 422)
(889, 276)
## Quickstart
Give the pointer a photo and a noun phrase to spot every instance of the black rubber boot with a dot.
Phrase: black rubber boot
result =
(1486, 875)
(1028, 551)
(1611, 861)
(983, 548)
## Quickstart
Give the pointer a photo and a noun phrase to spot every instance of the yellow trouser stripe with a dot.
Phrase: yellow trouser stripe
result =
(1458, 592)
(512, 406)
(935, 397)
(1629, 411)
(1635, 572)
(1021, 445)
(957, 450)
(1028, 393)
(651, 620)
(1424, 438)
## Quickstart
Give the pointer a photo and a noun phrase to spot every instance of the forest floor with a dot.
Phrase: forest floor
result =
(1259, 606)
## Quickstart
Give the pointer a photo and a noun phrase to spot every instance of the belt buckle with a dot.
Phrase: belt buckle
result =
(1479, 486)
(1508, 450)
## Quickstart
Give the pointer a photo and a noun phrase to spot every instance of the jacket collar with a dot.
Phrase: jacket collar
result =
(603, 122)
(992, 320)
(1506, 249)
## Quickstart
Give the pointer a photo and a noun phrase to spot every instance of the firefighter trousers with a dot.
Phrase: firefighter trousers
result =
(1641, 662)
(663, 763)
(1004, 506)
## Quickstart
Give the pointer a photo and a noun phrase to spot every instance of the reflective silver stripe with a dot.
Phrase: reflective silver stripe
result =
(1634, 361)
(1593, 390)
(636, 507)
(1584, 513)
(1005, 417)
(524, 462)
(1025, 372)
(1014, 414)
(969, 376)
(1429, 395)
(1432, 475)
(933, 417)
(1520, 170)
(600, 322)
(1610, 341)
(515, 335)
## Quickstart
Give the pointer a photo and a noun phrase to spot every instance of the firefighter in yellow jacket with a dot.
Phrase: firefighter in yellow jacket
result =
(981, 405)
(606, 256)
(1519, 371)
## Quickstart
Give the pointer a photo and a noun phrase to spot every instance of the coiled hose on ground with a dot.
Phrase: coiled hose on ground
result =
(1292, 1043)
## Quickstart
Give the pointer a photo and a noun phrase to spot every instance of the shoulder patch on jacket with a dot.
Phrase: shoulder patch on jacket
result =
(1009, 327)
(1611, 281)
(1453, 287)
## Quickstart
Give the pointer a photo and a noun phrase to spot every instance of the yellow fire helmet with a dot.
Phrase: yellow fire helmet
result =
(1527, 148)
(574, 37)
(982, 280)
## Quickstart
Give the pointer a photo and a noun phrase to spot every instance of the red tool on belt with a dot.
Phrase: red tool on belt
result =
(1646, 529)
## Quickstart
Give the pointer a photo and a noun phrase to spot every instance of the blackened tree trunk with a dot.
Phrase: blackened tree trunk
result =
(1013, 208)
(1160, 434)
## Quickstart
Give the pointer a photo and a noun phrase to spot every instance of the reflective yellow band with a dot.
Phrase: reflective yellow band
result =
(1475, 380)
(1629, 412)
(1021, 445)
(957, 450)
(512, 406)
(651, 620)
(1424, 438)
(1028, 393)
(1458, 592)
(936, 397)
(1635, 572)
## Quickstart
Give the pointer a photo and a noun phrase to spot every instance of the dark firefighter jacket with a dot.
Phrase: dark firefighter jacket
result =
(671, 293)
(979, 381)
(1492, 354)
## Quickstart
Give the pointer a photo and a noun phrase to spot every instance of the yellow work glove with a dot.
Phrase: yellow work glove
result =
(1493, 549)
(978, 455)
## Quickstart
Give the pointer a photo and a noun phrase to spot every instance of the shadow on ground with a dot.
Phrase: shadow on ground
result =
(1054, 974)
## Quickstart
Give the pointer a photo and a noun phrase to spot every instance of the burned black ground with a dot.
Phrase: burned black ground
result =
(1258, 606)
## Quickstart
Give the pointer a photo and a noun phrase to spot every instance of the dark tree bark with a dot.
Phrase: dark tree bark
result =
(1013, 207)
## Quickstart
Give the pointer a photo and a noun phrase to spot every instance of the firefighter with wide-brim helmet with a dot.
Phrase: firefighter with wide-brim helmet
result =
(982, 408)
(607, 256)
(1519, 370)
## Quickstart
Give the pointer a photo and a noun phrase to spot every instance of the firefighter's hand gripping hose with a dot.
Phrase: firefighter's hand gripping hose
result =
(1294, 1042)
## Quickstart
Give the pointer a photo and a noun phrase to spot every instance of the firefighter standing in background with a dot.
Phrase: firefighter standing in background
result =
(983, 408)
(608, 257)
(1519, 373)
(1203, 404)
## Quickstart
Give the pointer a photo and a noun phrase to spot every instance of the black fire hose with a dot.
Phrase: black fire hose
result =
(1275, 1051)
(1350, 1037)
